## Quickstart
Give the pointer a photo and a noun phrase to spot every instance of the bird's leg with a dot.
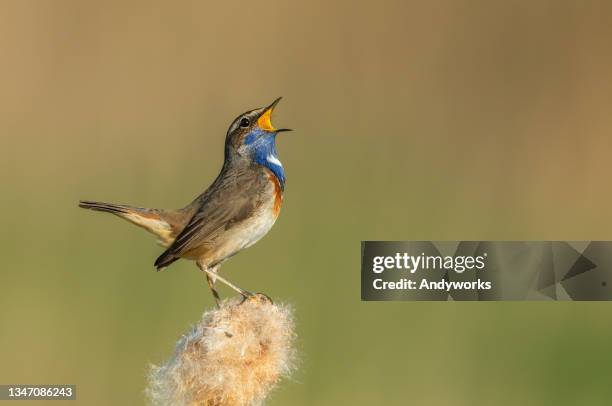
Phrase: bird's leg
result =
(211, 285)
(212, 274)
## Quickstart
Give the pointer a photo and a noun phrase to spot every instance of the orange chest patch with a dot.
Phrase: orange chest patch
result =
(278, 194)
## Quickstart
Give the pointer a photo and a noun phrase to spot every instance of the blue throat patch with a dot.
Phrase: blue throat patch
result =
(262, 146)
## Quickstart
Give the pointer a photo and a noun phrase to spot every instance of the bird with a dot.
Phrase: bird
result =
(233, 213)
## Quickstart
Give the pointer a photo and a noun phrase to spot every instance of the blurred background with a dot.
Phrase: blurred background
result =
(415, 120)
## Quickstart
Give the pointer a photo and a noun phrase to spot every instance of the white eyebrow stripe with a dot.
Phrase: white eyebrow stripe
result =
(274, 160)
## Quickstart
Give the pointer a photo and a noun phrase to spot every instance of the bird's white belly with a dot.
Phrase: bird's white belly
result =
(258, 227)
(250, 231)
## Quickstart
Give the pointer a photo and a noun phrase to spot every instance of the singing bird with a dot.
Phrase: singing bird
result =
(236, 210)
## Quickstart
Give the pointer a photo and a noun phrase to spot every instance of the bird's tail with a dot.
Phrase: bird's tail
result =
(152, 220)
(118, 209)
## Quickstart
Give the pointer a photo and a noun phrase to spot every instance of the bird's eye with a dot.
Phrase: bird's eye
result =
(245, 122)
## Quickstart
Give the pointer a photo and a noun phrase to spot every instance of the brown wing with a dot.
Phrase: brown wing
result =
(233, 197)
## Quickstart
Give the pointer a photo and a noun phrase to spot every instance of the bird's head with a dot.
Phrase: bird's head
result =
(253, 137)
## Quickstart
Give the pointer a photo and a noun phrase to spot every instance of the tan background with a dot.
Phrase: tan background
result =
(489, 119)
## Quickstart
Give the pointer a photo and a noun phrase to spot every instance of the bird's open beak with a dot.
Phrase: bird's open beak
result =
(264, 119)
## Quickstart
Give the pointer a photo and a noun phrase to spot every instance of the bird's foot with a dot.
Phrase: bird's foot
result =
(246, 295)
(262, 297)
(218, 303)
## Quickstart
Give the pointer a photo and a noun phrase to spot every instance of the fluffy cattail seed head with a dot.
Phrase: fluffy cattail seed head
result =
(233, 356)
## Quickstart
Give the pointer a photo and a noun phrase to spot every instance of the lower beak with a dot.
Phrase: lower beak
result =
(264, 119)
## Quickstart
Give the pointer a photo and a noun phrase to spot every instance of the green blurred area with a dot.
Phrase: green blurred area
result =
(415, 120)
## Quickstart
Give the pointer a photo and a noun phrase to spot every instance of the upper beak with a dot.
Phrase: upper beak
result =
(264, 119)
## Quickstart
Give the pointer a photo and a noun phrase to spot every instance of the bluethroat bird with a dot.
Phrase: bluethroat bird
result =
(237, 210)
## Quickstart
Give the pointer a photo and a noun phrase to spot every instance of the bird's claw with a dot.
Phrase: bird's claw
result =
(262, 297)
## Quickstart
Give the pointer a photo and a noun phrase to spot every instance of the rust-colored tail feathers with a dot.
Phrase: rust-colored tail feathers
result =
(163, 224)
